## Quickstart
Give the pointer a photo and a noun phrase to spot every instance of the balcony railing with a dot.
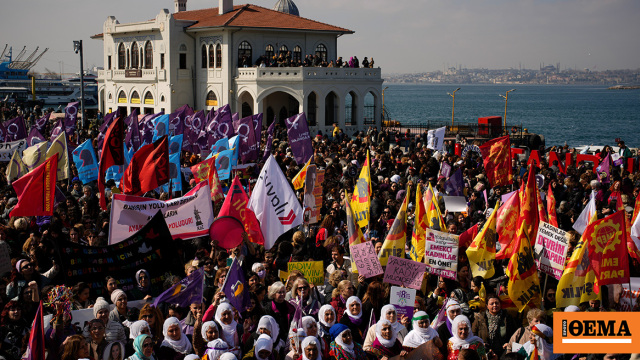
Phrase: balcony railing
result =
(308, 73)
(121, 75)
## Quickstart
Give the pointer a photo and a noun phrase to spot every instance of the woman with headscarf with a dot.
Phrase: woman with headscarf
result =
(541, 341)
(421, 332)
(266, 325)
(209, 332)
(175, 344)
(295, 343)
(326, 319)
(353, 318)
(463, 338)
(311, 349)
(262, 350)
(388, 312)
(143, 286)
(136, 329)
(230, 330)
(113, 351)
(310, 326)
(215, 349)
(343, 347)
(452, 310)
(143, 346)
(386, 343)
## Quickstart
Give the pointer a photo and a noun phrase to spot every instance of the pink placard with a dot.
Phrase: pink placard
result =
(367, 263)
(404, 272)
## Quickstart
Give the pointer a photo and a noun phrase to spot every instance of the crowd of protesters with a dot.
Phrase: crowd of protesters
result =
(349, 317)
(285, 59)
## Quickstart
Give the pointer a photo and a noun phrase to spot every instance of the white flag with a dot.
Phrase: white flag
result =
(586, 216)
(435, 138)
(274, 203)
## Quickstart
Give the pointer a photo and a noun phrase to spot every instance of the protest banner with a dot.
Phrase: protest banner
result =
(188, 217)
(404, 272)
(629, 297)
(7, 149)
(404, 300)
(550, 249)
(366, 259)
(150, 248)
(441, 254)
(313, 270)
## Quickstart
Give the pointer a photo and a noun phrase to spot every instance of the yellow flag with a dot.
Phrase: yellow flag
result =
(298, 180)
(397, 237)
(577, 282)
(434, 216)
(361, 197)
(482, 251)
(353, 231)
(34, 155)
(59, 148)
(419, 227)
(524, 284)
(16, 167)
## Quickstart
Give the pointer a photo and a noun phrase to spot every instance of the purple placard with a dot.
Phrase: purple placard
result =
(367, 263)
(445, 170)
(404, 272)
(404, 300)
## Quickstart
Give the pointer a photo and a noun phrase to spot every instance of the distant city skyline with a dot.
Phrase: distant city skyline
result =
(408, 36)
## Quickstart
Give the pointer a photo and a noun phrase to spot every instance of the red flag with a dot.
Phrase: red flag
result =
(36, 190)
(507, 219)
(606, 243)
(496, 156)
(551, 207)
(148, 169)
(235, 205)
(542, 214)
(467, 237)
(35, 349)
(112, 154)
(529, 211)
(214, 184)
(200, 170)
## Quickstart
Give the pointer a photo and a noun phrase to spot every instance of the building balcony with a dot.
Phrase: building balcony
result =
(133, 75)
(307, 73)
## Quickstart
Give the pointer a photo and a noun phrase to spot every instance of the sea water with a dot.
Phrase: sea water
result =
(575, 114)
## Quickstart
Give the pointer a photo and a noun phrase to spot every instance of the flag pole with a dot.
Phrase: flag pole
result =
(544, 290)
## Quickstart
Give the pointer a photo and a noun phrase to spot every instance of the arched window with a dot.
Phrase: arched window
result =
(312, 107)
(212, 56)
(122, 97)
(212, 100)
(283, 50)
(135, 98)
(246, 109)
(135, 55)
(321, 51)
(148, 98)
(245, 54)
(297, 55)
(268, 52)
(218, 56)
(121, 56)
(148, 55)
(204, 56)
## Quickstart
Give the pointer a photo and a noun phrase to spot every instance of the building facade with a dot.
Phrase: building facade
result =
(205, 58)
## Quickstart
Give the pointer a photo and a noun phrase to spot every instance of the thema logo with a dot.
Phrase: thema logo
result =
(596, 332)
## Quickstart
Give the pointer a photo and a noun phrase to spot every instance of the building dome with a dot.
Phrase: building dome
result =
(287, 7)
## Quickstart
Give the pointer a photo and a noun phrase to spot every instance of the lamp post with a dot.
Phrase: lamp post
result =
(453, 107)
(506, 99)
(386, 87)
(77, 47)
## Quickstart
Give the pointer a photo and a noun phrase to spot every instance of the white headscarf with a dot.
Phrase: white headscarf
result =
(383, 315)
(228, 331)
(418, 336)
(452, 304)
(571, 308)
(297, 334)
(269, 323)
(183, 345)
(206, 326)
(345, 347)
(216, 348)
(227, 356)
(311, 340)
(545, 349)
(307, 321)
(192, 357)
(323, 310)
(348, 311)
(264, 342)
(136, 328)
(456, 342)
(394, 334)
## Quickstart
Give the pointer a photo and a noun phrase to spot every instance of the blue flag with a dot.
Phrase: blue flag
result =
(455, 184)
(186, 292)
(86, 162)
(220, 145)
(175, 144)
(115, 173)
(174, 174)
(235, 288)
(160, 126)
(225, 161)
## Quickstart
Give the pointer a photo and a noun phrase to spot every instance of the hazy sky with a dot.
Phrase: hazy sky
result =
(404, 36)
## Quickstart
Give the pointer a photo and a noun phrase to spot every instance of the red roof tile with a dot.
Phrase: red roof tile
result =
(253, 16)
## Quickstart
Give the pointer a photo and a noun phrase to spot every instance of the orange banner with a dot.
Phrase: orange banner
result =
(596, 332)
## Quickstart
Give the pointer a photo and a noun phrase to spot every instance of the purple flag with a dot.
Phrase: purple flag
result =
(3, 132)
(58, 129)
(455, 184)
(176, 119)
(70, 117)
(41, 123)
(35, 137)
(247, 142)
(146, 127)
(132, 140)
(269, 144)
(257, 126)
(235, 117)
(604, 167)
(299, 138)
(186, 292)
(235, 287)
(193, 125)
(106, 122)
(225, 122)
(15, 129)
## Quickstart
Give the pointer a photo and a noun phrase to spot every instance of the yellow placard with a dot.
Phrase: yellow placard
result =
(313, 270)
